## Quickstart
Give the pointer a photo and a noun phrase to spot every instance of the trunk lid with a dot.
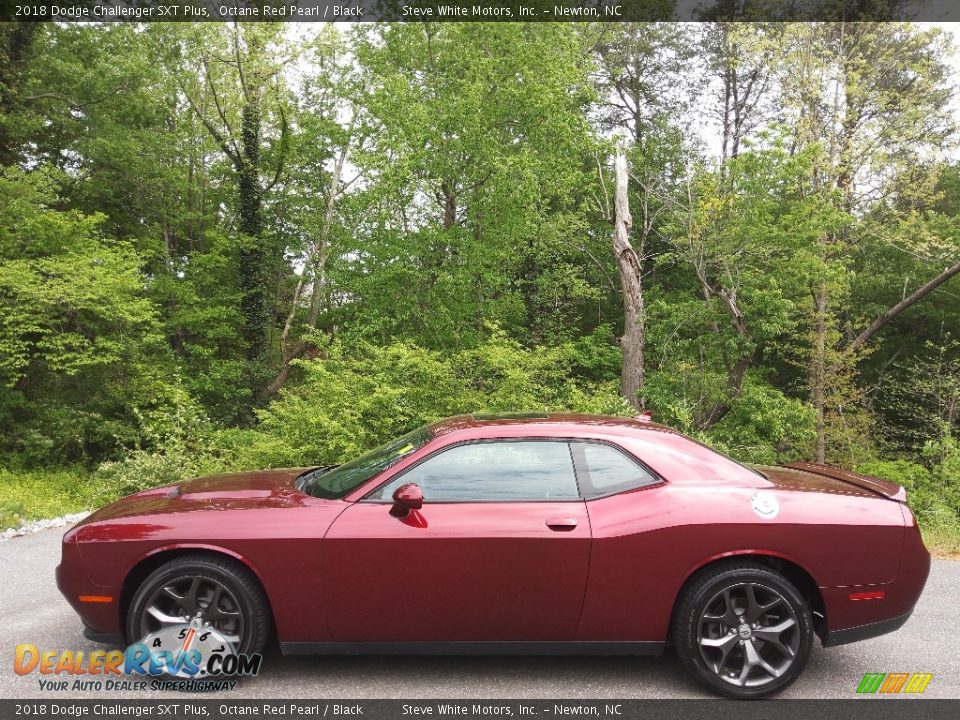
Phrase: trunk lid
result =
(826, 478)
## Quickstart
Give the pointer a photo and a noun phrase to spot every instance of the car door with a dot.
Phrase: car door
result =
(499, 551)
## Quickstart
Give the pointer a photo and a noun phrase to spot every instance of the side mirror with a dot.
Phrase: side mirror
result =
(408, 497)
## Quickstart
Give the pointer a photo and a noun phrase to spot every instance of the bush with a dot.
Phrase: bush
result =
(927, 496)
(351, 401)
(942, 455)
(38, 494)
(141, 470)
(762, 424)
(765, 426)
(178, 446)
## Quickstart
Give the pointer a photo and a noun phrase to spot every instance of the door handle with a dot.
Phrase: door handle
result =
(561, 523)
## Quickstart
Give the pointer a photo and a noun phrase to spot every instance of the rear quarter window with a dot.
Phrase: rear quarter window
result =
(605, 470)
(676, 458)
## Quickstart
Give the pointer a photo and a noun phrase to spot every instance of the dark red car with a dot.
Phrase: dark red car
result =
(528, 534)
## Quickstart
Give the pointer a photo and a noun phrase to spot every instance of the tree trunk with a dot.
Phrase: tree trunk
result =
(634, 328)
(316, 263)
(727, 121)
(253, 301)
(916, 296)
(15, 42)
(818, 367)
(736, 372)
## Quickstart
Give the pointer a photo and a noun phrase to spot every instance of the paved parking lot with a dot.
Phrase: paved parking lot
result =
(32, 610)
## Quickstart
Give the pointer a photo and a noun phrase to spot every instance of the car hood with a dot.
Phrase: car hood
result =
(814, 477)
(273, 488)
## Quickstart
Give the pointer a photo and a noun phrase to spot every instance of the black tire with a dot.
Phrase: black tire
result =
(708, 631)
(245, 595)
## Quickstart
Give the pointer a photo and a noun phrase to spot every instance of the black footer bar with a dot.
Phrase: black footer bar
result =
(190, 707)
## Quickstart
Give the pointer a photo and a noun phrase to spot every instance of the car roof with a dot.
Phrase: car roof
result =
(588, 423)
(668, 452)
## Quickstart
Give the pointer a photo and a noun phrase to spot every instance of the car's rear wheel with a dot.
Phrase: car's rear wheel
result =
(743, 630)
(202, 591)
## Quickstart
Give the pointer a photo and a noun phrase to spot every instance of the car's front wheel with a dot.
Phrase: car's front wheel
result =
(203, 591)
(743, 630)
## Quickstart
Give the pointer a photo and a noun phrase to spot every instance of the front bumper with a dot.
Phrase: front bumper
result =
(74, 583)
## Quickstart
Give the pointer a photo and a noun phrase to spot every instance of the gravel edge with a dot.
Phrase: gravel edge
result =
(35, 526)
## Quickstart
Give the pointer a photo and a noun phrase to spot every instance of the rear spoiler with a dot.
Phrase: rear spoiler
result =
(881, 487)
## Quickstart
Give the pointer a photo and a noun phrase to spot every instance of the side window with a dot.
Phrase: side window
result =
(489, 471)
(604, 470)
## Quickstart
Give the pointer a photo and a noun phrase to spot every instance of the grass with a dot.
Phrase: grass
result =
(942, 542)
(40, 494)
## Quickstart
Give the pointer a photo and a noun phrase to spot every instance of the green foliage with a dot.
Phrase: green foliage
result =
(142, 469)
(942, 455)
(41, 494)
(176, 445)
(933, 490)
(478, 160)
(355, 399)
(762, 425)
(80, 343)
(765, 426)
(415, 219)
(931, 487)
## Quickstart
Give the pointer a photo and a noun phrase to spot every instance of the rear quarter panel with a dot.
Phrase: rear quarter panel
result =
(649, 541)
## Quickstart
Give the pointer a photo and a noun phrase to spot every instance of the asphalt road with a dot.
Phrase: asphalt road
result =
(32, 610)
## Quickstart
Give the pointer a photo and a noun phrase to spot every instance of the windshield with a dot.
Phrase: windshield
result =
(334, 484)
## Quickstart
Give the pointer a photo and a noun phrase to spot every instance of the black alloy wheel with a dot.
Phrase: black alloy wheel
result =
(202, 591)
(743, 630)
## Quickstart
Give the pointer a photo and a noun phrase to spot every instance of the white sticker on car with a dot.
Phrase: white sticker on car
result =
(765, 505)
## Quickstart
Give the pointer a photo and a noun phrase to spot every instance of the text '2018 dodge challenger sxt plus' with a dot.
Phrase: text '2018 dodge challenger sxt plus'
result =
(524, 534)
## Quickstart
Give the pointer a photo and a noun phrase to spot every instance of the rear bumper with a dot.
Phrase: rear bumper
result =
(852, 617)
(864, 632)
(112, 639)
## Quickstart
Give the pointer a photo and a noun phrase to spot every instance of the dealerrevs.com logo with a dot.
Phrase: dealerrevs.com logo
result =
(184, 657)
(894, 683)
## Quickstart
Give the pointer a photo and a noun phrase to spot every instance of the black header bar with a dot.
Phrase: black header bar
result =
(476, 10)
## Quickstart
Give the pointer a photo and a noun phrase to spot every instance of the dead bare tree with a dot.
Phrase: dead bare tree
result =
(633, 340)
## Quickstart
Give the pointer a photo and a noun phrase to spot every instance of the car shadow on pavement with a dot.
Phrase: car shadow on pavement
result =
(421, 677)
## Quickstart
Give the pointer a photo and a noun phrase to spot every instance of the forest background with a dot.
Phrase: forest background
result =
(237, 246)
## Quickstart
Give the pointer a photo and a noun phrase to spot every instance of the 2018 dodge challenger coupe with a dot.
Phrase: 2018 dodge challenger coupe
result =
(525, 534)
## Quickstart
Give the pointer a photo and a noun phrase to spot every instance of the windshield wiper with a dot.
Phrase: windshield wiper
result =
(305, 483)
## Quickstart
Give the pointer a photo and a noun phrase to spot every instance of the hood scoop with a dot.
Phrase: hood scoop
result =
(167, 491)
(225, 494)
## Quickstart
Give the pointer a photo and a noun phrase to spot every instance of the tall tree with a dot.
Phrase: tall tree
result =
(643, 95)
(741, 55)
(16, 41)
(236, 86)
(473, 178)
(875, 97)
(633, 340)
(331, 127)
